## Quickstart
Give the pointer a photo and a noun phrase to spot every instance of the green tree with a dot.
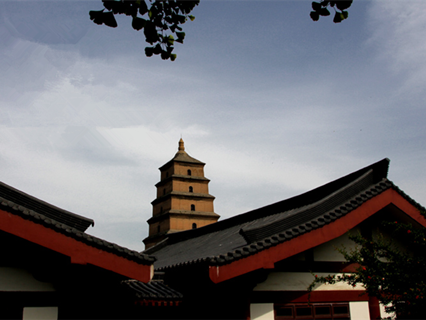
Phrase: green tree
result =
(388, 271)
(162, 20)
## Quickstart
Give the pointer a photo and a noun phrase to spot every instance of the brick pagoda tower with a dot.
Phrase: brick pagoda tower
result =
(183, 201)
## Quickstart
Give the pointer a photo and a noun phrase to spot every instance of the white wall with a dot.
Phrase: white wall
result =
(359, 310)
(40, 313)
(262, 311)
(329, 251)
(298, 281)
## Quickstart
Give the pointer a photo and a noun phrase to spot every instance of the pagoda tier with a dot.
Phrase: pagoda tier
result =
(183, 201)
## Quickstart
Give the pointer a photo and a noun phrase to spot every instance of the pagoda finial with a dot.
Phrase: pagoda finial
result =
(181, 146)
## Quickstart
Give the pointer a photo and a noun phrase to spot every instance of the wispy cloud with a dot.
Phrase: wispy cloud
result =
(398, 29)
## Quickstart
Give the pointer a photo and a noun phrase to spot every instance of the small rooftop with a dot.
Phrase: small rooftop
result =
(182, 156)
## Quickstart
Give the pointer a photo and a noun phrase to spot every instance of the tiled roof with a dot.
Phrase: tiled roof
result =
(61, 221)
(182, 156)
(20, 198)
(153, 290)
(246, 234)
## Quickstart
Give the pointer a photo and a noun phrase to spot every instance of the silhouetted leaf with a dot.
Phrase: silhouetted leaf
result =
(314, 15)
(180, 35)
(97, 16)
(150, 32)
(343, 4)
(157, 49)
(149, 51)
(165, 55)
(324, 12)
(337, 17)
(316, 6)
(138, 23)
(142, 7)
(109, 5)
(109, 19)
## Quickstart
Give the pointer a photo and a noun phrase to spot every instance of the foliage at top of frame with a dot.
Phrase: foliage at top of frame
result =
(161, 21)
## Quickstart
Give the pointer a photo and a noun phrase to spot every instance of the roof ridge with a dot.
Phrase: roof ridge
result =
(293, 231)
(253, 233)
(379, 171)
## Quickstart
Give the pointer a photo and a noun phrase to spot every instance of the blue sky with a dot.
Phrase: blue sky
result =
(274, 103)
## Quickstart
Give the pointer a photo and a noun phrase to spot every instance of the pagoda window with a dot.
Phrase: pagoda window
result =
(194, 226)
(189, 172)
(191, 189)
(192, 207)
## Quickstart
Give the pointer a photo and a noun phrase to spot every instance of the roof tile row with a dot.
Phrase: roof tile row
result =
(69, 231)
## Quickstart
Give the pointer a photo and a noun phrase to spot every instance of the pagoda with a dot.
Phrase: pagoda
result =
(183, 201)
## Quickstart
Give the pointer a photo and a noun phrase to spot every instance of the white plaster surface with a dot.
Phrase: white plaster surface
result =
(298, 281)
(329, 250)
(40, 313)
(359, 310)
(262, 311)
(17, 279)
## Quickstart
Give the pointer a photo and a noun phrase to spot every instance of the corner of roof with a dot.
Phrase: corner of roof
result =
(380, 168)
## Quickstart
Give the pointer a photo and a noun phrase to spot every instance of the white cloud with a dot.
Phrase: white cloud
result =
(398, 29)
(86, 126)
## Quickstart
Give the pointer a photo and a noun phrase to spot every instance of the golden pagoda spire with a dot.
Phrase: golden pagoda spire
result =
(181, 146)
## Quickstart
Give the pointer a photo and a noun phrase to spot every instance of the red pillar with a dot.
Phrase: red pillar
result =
(374, 306)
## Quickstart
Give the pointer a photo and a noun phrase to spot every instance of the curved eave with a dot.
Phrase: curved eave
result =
(183, 158)
(79, 252)
(186, 195)
(175, 213)
(19, 198)
(183, 178)
(272, 253)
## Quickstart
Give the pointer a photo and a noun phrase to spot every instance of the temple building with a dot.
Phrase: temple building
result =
(183, 201)
(258, 265)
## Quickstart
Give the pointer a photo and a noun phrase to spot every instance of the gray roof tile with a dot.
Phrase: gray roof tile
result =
(61, 221)
(243, 235)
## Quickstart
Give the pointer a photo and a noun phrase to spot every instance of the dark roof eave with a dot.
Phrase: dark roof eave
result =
(74, 233)
(32, 203)
(275, 239)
